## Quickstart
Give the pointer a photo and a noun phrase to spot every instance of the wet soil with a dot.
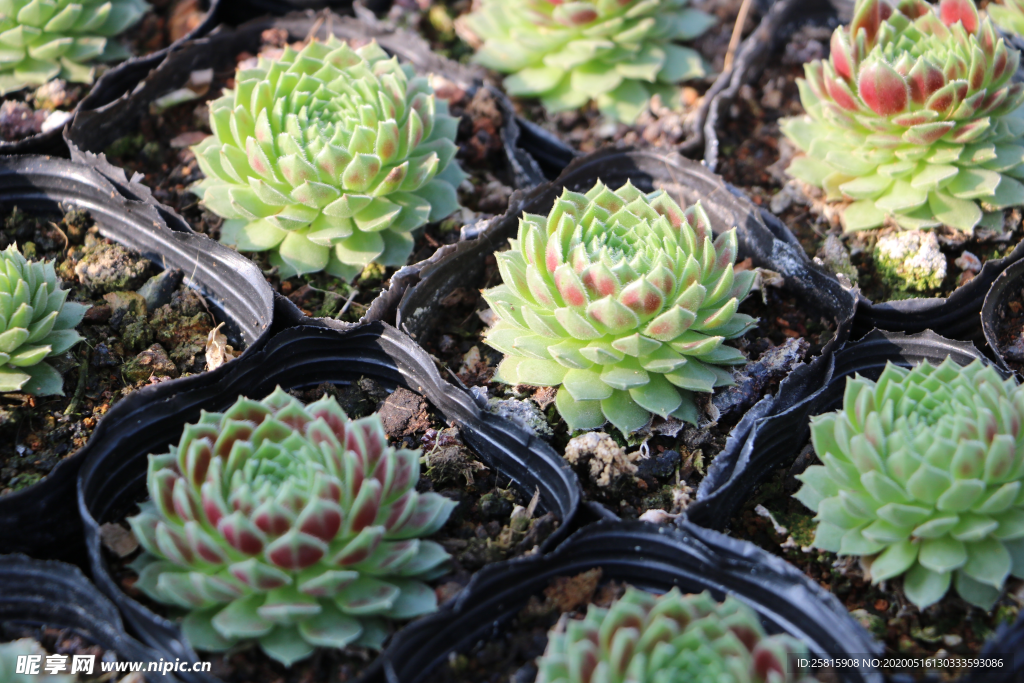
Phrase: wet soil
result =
(65, 641)
(670, 457)
(160, 151)
(24, 113)
(777, 522)
(493, 521)
(754, 154)
(127, 343)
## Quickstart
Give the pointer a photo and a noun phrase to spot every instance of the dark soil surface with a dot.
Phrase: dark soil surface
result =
(160, 151)
(128, 343)
(492, 522)
(754, 154)
(64, 641)
(587, 130)
(510, 656)
(1009, 328)
(677, 455)
(780, 524)
(23, 113)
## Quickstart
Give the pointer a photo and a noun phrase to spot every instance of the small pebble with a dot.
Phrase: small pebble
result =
(158, 290)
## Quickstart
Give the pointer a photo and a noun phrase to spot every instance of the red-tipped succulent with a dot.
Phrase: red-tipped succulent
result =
(673, 638)
(624, 300)
(290, 525)
(914, 119)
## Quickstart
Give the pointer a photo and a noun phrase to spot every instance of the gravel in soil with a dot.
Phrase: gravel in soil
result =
(65, 641)
(143, 327)
(160, 151)
(672, 458)
(493, 521)
(32, 111)
(754, 154)
(777, 522)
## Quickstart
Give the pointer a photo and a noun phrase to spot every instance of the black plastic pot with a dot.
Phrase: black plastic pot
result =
(958, 317)
(235, 13)
(94, 130)
(42, 519)
(955, 317)
(777, 440)
(416, 291)
(1007, 285)
(780, 20)
(649, 557)
(57, 595)
(110, 86)
(113, 478)
(769, 245)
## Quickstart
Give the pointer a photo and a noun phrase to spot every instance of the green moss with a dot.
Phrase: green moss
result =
(151, 151)
(910, 261)
(1006, 614)
(662, 499)
(801, 526)
(872, 623)
(128, 146)
(372, 274)
(23, 481)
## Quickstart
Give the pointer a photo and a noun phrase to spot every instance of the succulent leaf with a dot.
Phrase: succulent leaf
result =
(1008, 15)
(329, 157)
(913, 118)
(920, 475)
(13, 651)
(605, 297)
(670, 638)
(617, 53)
(291, 525)
(44, 39)
(36, 322)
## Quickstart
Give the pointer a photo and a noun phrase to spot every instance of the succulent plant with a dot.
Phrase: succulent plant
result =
(672, 638)
(923, 475)
(1008, 15)
(624, 300)
(26, 647)
(289, 525)
(329, 157)
(45, 39)
(616, 52)
(913, 118)
(36, 322)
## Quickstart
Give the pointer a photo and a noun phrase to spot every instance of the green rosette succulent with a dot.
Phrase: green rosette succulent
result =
(45, 39)
(923, 475)
(36, 322)
(1008, 15)
(616, 52)
(27, 647)
(672, 638)
(624, 300)
(290, 525)
(329, 157)
(914, 118)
